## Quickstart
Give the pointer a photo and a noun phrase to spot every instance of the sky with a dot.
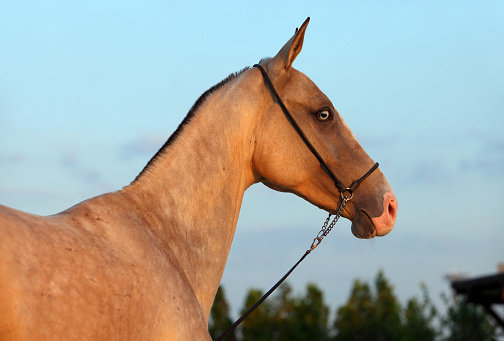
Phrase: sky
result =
(90, 90)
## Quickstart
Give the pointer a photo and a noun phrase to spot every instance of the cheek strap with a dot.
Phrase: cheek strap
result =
(342, 188)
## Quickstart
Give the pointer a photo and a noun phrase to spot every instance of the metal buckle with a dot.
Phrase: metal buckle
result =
(343, 196)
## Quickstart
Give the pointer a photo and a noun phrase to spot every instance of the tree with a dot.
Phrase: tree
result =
(377, 315)
(311, 316)
(355, 320)
(388, 324)
(371, 313)
(419, 318)
(219, 316)
(288, 318)
(258, 326)
(283, 314)
(465, 321)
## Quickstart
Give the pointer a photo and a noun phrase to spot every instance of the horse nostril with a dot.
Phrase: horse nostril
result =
(392, 209)
(384, 223)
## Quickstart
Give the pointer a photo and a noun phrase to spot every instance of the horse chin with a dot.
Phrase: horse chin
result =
(363, 227)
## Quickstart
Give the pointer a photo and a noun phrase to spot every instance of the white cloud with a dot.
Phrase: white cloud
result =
(143, 145)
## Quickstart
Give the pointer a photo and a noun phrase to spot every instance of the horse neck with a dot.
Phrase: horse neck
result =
(192, 193)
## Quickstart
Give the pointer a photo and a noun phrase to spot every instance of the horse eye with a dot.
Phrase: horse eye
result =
(323, 115)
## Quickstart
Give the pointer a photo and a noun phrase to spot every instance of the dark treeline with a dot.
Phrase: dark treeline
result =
(372, 313)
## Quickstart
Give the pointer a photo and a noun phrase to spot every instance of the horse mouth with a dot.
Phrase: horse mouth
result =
(363, 227)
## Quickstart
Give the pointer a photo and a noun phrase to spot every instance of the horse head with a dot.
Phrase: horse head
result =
(283, 162)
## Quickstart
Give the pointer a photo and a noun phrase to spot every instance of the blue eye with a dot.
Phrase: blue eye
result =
(323, 115)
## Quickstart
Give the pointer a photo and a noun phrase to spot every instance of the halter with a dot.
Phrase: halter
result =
(326, 228)
(323, 164)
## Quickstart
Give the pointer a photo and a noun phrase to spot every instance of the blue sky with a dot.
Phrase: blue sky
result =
(90, 90)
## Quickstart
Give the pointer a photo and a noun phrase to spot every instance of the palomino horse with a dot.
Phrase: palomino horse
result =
(144, 263)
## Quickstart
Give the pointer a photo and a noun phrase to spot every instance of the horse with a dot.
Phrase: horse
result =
(145, 262)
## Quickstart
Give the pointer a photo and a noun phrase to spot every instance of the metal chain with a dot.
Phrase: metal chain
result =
(325, 228)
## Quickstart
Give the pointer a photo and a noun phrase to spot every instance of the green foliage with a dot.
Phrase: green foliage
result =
(355, 320)
(219, 316)
(419, 318)
(286, 317)
(372, 313)
(311, 316)
(465, 322)
(375, 314)
(259, 325)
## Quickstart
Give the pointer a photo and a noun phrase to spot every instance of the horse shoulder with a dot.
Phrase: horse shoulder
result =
(93, 269)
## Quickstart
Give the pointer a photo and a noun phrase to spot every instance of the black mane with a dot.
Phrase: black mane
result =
(192, 112)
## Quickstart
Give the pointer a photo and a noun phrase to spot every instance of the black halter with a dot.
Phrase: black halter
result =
(323, 164)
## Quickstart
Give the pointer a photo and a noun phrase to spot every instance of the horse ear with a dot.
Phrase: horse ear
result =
(291, 49)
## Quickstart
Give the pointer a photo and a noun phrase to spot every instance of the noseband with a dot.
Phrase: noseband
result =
(337, 182)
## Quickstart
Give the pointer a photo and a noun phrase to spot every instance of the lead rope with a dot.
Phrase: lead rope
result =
(324, 231)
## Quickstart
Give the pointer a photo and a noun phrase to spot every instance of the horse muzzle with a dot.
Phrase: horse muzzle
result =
(366, 227)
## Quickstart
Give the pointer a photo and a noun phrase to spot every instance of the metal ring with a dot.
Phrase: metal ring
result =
(349, 190)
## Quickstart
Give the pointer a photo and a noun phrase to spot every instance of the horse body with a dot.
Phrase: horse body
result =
(149, 257)
(145, 262)
(83, 280)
